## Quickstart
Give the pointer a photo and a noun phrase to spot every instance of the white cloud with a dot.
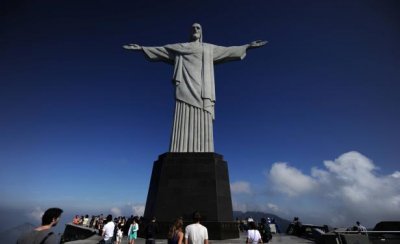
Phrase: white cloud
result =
(343, 191)
(290, 180)
(135, 209)
(354, 178)
(116, 212)
(239, 206)
(273, 207)
(138, 210)
(396, 174)
(36, 214)
(247, 206)
(352, 168)
(240, 187)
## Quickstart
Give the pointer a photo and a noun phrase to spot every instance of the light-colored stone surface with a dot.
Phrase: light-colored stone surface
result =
(281, 239)
(277, 239)
(194, 86)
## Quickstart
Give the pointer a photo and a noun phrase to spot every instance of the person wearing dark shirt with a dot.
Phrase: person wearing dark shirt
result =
(43, 233)
(151, 231)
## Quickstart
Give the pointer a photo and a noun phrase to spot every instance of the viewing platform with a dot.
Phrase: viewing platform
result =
(384, 232)
(277, 238)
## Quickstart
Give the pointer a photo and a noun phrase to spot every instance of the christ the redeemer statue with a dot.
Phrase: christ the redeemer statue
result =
(194, 86)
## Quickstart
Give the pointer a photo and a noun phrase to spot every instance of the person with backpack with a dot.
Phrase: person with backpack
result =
(265, 231)
(151, 231)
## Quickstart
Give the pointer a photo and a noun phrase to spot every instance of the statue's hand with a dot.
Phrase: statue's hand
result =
(132, 47)
(258, 43)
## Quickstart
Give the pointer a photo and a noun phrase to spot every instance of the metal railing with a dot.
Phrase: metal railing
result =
(370, 234)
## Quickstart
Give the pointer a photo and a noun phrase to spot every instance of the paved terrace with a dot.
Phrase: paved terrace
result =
(277, 238)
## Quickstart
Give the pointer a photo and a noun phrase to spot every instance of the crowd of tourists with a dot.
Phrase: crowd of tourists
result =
(112, 230)
(257, 232)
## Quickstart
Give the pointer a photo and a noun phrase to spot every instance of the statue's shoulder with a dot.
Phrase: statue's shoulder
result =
(174, 45)
(188, 47)
(208, 45)
(178, 47)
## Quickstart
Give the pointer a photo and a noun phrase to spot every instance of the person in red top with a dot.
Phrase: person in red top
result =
(76, 220)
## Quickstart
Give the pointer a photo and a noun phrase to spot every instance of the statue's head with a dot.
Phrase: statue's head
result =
(196, 33)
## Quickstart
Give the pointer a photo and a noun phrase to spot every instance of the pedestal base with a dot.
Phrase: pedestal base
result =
(182, 183)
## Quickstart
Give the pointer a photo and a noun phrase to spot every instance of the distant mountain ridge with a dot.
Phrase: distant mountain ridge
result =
(282, 223)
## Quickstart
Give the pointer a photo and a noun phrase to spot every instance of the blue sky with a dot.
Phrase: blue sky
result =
(309, 124)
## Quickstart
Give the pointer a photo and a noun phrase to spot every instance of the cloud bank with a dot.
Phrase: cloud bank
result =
(128, 210)
(342, 191)
(240, 187)
(291, 181)
(36, 214)
(348, 187)
(116, 211)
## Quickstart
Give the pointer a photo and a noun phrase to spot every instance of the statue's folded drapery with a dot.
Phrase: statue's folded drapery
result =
(195, 90)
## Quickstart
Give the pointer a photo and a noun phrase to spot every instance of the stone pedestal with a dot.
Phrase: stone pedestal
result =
(182, 183)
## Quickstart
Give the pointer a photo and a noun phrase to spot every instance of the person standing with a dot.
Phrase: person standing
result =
(361, 228)
(76, 219)
(196, 233)
(118, 240)
(100, 223)
(175, 234)
(132, 232)
(85, 221)
(265, 230)
(253, 235)
(43, 233)
(151, 231)
(108, 230)
(273, 221)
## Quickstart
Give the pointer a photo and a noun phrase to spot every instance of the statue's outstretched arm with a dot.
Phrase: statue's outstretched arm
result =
(132, 47)
(256, 44)
(153, 53)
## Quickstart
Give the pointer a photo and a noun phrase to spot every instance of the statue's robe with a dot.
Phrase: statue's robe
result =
(194, 90)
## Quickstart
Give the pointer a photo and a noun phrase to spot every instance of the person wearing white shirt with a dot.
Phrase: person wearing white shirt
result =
(108, 230)
(361, 228)
(253, 235)
(196, 233)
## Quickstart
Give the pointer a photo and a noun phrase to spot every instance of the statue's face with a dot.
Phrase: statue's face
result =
(196, 32)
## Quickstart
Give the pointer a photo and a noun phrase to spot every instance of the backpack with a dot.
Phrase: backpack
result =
(265, 232)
